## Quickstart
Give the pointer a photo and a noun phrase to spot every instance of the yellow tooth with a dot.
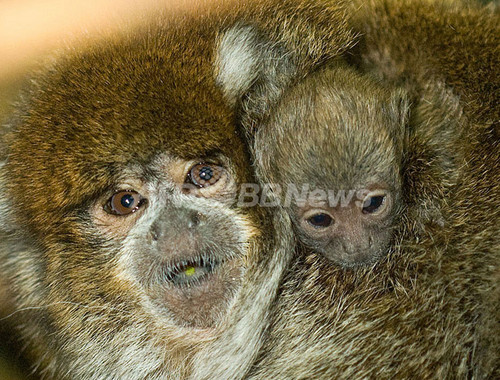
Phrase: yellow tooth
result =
(189, 271)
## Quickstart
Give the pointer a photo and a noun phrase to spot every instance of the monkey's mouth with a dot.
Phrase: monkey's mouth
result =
(194, 287)
(192, 271)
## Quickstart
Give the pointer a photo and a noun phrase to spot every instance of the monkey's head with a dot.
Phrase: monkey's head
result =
(127, 251)
(327, 128)
(334, 144)
(121, 173)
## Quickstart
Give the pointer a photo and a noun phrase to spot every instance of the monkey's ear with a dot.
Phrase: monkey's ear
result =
(237, 61)
(400, 109)
(433, 153)
(252, 70)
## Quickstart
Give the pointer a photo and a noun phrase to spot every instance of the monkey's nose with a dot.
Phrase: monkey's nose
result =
(195, 219)
(176, 222)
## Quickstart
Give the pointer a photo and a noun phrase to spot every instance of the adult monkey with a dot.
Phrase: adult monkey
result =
(123, 248)
(430, 310)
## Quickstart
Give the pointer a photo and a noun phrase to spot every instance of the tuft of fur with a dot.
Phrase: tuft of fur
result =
(256, 63)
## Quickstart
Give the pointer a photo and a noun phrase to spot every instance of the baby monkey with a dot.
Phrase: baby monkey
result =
(334, 144)
(329, 138)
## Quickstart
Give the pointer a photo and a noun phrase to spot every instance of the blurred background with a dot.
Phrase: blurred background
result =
(30, 30)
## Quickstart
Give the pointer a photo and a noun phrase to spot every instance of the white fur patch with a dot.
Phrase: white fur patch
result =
(236, 63)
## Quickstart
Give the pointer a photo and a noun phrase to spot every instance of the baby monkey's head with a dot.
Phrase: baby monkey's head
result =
(334, 145)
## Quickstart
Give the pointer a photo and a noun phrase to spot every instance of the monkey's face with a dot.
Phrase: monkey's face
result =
(176, 234)
(352, 230)
(121, 174)
(340, 137)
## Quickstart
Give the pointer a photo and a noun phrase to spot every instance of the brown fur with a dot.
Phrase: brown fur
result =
(430, 310)
(427, 311)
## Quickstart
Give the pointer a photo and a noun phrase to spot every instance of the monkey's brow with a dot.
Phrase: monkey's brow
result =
(212, 154)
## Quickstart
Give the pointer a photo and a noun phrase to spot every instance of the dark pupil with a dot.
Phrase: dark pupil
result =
(127, 201)
(206, 173)
(320, 220)
(373, 204)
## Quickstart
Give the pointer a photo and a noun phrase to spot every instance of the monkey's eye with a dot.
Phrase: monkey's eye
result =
(205, 175)
(124, 203)
(320, 220)
(374, 204)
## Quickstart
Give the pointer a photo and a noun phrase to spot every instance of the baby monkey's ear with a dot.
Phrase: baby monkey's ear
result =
(400, 113)
(252, 71)
(434, 153)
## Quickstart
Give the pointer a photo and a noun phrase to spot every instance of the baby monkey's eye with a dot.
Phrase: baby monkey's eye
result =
(204, 175)
(320, 220)
(124, 202)
(374, 204)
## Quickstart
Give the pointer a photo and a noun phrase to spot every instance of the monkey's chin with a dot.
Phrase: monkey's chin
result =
(359, 259)
(196, 291)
